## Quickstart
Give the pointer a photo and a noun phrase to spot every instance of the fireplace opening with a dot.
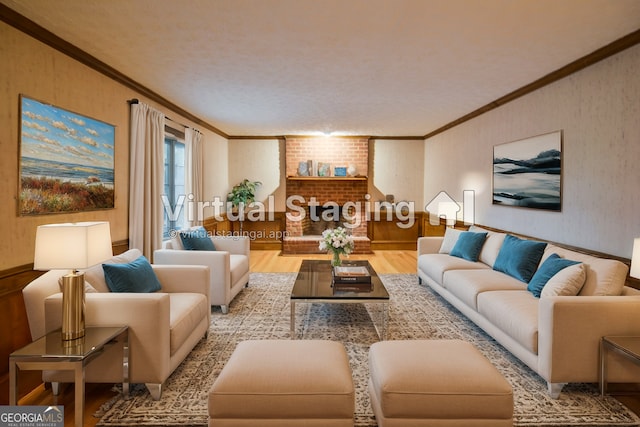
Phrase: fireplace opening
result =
(320, 218)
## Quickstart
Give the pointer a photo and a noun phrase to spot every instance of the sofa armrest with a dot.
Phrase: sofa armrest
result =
(570, 329)
(429, 245)
(183, 278)
(146, 315)
(237, 245)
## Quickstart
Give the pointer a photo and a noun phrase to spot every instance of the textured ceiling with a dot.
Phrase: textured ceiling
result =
(364, 67)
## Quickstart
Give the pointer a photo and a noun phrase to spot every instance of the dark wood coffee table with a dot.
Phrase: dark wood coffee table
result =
(314, 284)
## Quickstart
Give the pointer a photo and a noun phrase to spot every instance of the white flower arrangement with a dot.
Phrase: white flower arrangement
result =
(337, 240)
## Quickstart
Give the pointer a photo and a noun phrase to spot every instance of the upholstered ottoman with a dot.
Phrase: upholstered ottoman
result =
(436, 383)
(274, 383)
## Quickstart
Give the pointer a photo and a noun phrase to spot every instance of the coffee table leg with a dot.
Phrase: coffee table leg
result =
(292, 319)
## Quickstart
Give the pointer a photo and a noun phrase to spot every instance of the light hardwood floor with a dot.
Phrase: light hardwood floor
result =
(384, 262)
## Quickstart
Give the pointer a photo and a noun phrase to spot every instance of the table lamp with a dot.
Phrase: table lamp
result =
(72, 246)
(635, 259)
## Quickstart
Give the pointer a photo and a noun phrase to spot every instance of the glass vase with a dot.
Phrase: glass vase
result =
(335, 259)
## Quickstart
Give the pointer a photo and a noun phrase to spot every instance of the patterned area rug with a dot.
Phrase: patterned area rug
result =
(262, 311)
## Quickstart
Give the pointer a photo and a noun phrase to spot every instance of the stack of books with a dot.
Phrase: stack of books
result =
(351, 278)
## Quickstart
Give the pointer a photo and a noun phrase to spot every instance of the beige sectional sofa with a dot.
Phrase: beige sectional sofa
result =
(557, 334)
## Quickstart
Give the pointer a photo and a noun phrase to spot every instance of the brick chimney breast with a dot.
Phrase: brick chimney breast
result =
(323, 190)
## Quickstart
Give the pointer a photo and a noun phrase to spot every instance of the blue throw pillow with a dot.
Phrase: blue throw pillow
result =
(197, 240)
(136, 276)
(519, 258)
(547, 270)
(468, 245)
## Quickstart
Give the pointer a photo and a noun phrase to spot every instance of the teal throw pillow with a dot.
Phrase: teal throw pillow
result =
(468, 245)
(137, 276)
(547, 270)
(519, 258)
(197, 240)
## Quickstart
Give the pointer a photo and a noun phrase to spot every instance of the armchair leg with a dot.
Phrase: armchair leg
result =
(554, 389)
(55, 388)
(225, 309)
(246, 285)
(155, 390)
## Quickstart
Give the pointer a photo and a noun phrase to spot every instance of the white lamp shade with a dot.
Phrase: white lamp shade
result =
(72, 246)
(635, 259)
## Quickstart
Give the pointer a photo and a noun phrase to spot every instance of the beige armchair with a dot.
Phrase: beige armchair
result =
(164, 326)
(229, 264)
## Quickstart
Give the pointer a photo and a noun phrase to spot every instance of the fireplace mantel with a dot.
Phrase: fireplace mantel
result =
(326, 178)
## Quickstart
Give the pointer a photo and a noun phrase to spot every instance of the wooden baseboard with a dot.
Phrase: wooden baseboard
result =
(393, 245)
(266, 246)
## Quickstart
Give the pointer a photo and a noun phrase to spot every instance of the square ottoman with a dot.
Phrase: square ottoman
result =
(436, 383)
(284, 383)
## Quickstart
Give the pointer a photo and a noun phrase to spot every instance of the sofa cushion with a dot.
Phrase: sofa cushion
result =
(95, 274)
(450, 238)
(175, 242)
(548, 269)
(491, 246)
(469, 245)
(467, 284)
(435, 265)
(196, 239)
(186, 311)
(519, 258)
(513, 312)
(605, 277)
(136, 276)
(239, 265)
(566, 282)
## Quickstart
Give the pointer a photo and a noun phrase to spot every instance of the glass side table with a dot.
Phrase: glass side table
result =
(628, 346)
(50, 352)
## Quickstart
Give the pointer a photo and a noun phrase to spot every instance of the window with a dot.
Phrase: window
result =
(174, 185)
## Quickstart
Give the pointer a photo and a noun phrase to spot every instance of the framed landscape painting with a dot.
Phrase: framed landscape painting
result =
(528, 173)
(66, 161)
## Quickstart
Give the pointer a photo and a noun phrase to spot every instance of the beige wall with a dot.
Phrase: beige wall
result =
(31, 68)
(259, 160)
(598, 110)
(398, 169)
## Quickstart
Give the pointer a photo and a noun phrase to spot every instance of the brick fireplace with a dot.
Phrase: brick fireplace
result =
(321, 202)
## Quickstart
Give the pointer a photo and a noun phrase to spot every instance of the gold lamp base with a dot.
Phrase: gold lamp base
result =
(72, 306)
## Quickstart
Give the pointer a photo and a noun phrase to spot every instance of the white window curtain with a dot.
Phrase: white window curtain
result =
(146, 179)
(194, 171)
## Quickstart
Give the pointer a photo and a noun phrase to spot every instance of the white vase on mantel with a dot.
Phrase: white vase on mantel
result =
(351, 170)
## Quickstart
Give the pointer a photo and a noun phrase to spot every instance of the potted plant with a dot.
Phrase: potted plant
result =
(241, 195)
